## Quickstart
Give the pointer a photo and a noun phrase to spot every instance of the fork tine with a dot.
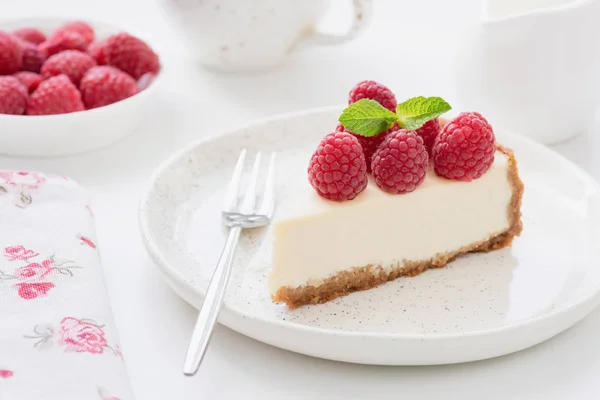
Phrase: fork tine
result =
(234, 185)
(268, 202)
(250, 196)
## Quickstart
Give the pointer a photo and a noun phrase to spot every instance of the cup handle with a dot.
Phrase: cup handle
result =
(362, 17)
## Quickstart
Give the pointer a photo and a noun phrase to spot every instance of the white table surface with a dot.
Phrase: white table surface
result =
(409, 47)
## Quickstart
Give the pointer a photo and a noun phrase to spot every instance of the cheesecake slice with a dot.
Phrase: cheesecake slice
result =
(323, 249)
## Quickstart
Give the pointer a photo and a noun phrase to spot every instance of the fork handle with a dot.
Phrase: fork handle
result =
(211, 306)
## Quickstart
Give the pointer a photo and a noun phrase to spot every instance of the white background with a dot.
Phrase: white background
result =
(409, 47)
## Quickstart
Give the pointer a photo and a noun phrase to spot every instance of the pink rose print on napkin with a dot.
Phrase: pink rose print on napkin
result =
(119, 352)
(13, 253)
(5, 373)
(86, 241)
(35, 271)
(73, 335)
(81, 336)
(30, 291)
(23, 179)
(36, 279)
(21, 184)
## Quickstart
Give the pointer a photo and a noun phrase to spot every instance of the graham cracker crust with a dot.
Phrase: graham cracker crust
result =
(370, 276)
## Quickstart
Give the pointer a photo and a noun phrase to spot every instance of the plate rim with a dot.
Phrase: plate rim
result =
(176, 278)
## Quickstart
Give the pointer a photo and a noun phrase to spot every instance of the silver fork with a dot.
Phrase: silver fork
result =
(237, 217)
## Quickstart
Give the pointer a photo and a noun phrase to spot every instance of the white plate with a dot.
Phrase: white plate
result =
(480, 306)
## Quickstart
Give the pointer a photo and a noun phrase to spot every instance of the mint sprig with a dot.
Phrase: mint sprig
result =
(413, 113)
(369, 118)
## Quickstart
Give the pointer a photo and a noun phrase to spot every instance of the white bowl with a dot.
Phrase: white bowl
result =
(73, 133)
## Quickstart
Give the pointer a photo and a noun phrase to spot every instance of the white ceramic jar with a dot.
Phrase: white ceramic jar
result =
(532, 66)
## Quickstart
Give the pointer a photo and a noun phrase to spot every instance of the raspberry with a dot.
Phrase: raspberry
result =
(72, 63)
(145, 80)
(400, 163)
(13, 96)
(105, 85)
(67, 40)
(131, 55)
(429, 131)
(337, 170)
(368, 144)
(79, 27)
(32, 58)
(30, 35)
(464, 149)
(30, 80)
(10, 54)
(374, 91)
(56, 95)
(96, 50)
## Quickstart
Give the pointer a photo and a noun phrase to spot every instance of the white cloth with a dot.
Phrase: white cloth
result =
(57, 335)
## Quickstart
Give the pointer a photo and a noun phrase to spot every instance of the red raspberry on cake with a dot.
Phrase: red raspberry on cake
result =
(368, 143)
(79, 27)
(374, 91)
(337, 170)
(32, 58)
(10, 54)
(56, 95)
(30, 80)
(400, 163)
(72, 63)
(96, 51)
(429, 131)
(105, 85)
(464, 150)
(13, 96)
(31, 35)
(130, 54)
(66, 40)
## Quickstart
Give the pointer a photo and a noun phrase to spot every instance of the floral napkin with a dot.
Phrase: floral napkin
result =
(57, 336)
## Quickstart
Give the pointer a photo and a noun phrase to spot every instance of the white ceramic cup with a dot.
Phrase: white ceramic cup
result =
(255, 35)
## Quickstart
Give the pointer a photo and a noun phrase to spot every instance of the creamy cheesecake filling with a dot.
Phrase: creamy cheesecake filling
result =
(311, 242)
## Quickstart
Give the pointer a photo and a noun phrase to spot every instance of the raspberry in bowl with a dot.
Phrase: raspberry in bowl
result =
(86, 85)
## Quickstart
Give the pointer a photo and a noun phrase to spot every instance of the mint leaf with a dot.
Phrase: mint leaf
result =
(367, 118)
(413, 113)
